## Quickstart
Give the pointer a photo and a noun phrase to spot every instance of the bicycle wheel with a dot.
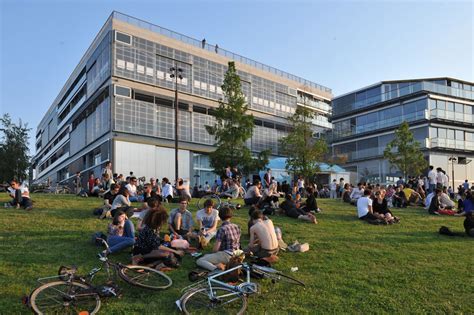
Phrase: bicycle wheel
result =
(214, 198)
(276, 275)
(145, 277)
(225, 301)
(59, 297)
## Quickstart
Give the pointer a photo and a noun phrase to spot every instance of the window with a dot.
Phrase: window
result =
(123, 91)
(433, 132)
(450, 134)
(442, 133)
(124, 38)
(144, 97)
(441, 105)
(450, 106)
(459, 135)
(459, 108)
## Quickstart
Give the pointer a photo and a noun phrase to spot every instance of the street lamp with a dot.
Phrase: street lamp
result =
(176, 73)
(453, 160)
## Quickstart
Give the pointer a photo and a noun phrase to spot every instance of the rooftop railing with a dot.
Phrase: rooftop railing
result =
(214, 48)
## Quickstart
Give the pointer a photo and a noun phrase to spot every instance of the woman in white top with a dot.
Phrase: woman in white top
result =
(122, 202)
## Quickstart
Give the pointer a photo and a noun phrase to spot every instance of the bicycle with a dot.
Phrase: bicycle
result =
(212, 296)
(218, 202)
(72, 293)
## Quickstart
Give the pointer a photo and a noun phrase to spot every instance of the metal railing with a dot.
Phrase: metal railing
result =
(214, 48)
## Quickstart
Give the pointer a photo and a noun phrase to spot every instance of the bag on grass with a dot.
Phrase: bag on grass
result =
(197, 274)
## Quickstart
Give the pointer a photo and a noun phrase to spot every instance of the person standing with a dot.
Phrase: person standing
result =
(432, 179)
(333, 189)
(267, 178)
(108, 170)
(77, 183)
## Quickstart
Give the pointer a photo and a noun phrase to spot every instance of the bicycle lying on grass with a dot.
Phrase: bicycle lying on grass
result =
(218, 202)
(73, 294)
(214, 296)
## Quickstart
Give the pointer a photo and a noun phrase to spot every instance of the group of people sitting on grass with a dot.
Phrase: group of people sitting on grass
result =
(210, 224)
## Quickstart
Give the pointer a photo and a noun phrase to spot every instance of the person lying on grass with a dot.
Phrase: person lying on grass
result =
(263, 240)
(436, 207)
(148, 245)
(227, 241)
(121, 233)
(290, 209)
(380, 206)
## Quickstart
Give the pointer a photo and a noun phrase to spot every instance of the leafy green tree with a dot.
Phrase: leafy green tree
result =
(14, 159)
(404, 152)
(302, 150)
(233, 127)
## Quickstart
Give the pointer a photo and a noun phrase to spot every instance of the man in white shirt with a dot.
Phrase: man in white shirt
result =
(357, 193)
(132, 189)
(439, 177)
(364, 208)
(333, 189)
(167, 190)
(444, 178)
(263, 240)
(432, 179)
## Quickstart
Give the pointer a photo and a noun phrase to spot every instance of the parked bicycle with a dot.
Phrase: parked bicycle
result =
(58, 189)
(214, 296)
(71, 293)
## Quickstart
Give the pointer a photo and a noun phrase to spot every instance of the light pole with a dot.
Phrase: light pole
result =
(176, 73)
(452, 159)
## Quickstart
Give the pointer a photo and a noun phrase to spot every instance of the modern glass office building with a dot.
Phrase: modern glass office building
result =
(438, 110)
(118, 105)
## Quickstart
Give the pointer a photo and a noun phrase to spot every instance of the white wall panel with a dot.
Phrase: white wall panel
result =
(149, 160)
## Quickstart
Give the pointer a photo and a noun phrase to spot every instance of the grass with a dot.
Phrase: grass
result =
(352, 267)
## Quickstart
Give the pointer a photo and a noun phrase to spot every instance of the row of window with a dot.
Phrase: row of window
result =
(51, 145)
(451, 134)
(451, 106)
(58, 154)
(146, 118)
(150, 62)
(384, 118)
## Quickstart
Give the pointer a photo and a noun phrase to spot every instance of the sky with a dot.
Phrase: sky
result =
(343, 45)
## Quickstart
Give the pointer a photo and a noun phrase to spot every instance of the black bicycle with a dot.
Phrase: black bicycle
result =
(71, 293)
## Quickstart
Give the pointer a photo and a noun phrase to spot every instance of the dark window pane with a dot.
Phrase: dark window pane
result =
(123, 91)
(124, 38)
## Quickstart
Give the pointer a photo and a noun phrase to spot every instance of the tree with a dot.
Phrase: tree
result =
(302, 150)
(233, 127)
(404, 152)
(14, 159)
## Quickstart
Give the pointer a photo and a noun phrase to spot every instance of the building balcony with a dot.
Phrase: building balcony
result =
(315, 105)
(451, 144)
(449, 115)
(322, 123)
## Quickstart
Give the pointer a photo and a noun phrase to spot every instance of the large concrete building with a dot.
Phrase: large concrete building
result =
(117, 105)
(438, 110)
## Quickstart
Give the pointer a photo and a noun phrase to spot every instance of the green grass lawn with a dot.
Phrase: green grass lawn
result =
(352, 267)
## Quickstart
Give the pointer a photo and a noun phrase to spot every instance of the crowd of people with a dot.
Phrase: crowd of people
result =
(373, 202)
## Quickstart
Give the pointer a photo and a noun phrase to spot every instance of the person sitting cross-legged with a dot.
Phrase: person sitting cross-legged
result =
(181, 221)
(149, 244)
(227, 241)
(207, 219)
(20, 195)
(365, 211)
(380, 206)
(263, 240)
(253, 194)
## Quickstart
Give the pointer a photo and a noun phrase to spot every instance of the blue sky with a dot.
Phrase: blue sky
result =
(343, 45)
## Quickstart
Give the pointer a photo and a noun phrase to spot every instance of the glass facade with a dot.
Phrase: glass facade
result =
(387, 117)
(374, 146)
(149, 62)
(355, 101)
